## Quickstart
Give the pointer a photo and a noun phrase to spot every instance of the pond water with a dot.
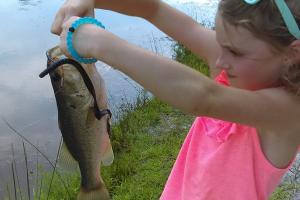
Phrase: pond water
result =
(27, 102)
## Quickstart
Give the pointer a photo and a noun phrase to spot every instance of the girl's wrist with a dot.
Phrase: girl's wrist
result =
(98, 43)
(83, 40)
(108, 47)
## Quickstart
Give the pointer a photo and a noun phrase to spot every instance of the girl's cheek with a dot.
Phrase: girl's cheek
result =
(248, 76)
(246, 71)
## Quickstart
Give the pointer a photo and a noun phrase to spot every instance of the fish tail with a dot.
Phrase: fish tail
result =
(100, 193)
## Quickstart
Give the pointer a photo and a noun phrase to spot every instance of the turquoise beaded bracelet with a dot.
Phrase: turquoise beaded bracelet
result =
(76, 24)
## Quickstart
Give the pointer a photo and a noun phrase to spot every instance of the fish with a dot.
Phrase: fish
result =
(84, 119)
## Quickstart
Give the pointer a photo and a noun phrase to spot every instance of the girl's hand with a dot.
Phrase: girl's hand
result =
(81, 8)
(84, 38)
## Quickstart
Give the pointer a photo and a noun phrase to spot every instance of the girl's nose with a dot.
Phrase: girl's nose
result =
(221, 64)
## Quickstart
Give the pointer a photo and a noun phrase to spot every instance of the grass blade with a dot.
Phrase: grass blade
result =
(14, 180)
(37, 169)
(27, 171)
(17, 177)
(8, 192)
(52, 176)
(41, 185)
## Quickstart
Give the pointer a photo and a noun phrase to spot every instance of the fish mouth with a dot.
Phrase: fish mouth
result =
(52, 64)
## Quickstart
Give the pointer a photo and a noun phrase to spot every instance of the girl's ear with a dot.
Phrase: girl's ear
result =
(295, 51)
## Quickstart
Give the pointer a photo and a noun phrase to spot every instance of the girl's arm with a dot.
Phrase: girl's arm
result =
(171, 21)
(169, 80)
(185, 88)
(187, 31)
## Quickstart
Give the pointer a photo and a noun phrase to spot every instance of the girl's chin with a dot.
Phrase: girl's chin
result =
(235, 84)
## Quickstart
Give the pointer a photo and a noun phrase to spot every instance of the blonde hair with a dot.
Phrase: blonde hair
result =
(265, 22)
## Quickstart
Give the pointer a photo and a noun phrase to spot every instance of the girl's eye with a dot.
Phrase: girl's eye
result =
(234, 52)
(231, 51)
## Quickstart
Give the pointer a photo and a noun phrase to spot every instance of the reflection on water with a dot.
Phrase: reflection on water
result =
(27, 102)
(24, 3)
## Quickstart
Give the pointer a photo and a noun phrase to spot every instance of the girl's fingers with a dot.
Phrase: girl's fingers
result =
(58, 21)
(65, 28)
(68, 22)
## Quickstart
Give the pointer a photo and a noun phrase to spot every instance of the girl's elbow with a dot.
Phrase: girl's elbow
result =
(201, 104)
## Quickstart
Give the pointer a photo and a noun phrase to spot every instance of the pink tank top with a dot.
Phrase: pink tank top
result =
(221, 160)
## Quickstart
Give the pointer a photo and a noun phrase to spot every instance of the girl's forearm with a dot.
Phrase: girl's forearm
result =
(169, 80)
(175, 23)
(140, 8)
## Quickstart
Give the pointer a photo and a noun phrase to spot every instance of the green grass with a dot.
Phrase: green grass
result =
(285, 191)
(141, 171)
(185, 56)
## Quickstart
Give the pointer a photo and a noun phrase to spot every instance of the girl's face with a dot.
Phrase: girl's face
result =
(248, 61)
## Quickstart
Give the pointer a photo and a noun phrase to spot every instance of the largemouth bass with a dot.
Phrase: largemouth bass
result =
(84, 119)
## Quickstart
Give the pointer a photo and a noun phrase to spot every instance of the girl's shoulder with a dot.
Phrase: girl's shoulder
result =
(275, 113)
(272, 109)
(287, 105)
(280, 141)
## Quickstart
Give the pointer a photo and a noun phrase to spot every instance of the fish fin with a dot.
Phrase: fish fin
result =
(66, 161)
(95, 194)
(108, 156)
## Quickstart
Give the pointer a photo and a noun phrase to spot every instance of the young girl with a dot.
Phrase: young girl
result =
(249, 133)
